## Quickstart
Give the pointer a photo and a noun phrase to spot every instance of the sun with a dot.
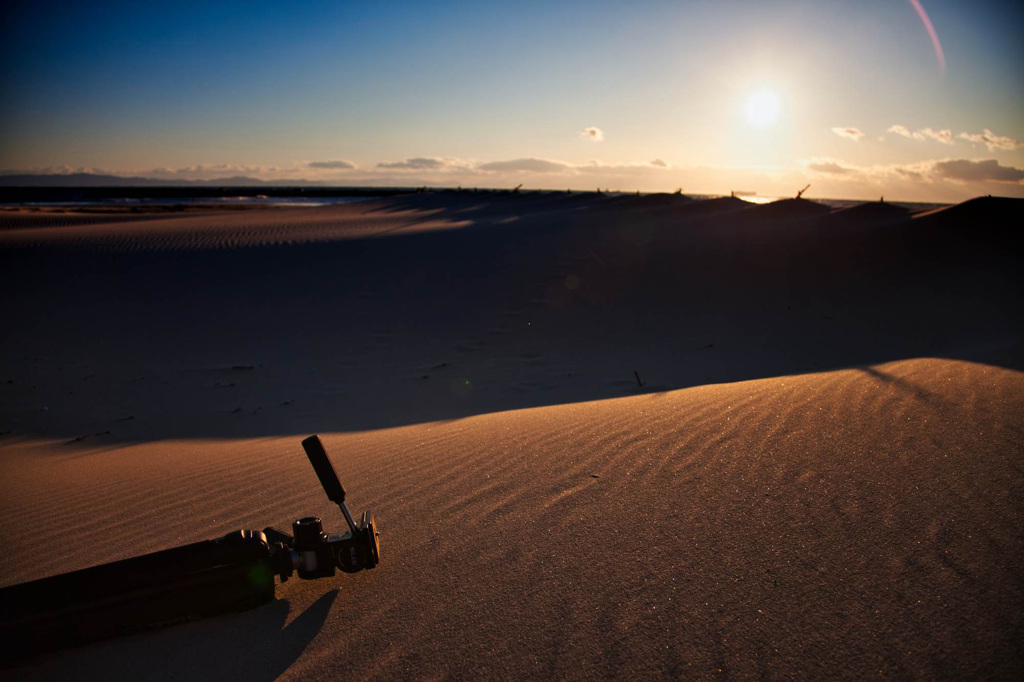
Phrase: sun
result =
(762, 108)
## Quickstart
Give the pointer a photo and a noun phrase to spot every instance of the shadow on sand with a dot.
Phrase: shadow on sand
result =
(543, 300)
(254, 645)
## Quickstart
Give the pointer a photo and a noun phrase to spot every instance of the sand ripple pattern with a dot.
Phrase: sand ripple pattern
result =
(864, 520)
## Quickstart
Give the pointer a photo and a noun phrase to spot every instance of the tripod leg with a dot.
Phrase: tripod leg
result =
(234, 573)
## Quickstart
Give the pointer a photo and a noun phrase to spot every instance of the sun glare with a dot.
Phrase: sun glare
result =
(762, 108)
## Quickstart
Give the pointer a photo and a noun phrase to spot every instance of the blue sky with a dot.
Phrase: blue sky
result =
(487, 94)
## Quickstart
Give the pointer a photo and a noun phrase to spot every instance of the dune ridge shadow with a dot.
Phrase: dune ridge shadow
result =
(563, 304)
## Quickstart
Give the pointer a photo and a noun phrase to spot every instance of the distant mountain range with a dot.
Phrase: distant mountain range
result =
(96, 180)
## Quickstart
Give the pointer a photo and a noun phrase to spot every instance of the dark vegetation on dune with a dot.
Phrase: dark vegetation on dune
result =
(543, 299)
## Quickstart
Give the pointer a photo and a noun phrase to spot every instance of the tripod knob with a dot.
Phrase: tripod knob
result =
(312, 549)
(308, 532)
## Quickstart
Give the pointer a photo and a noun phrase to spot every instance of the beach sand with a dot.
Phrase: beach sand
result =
(602, 436)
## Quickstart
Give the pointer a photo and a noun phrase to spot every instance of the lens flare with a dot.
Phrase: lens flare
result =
(931, 33)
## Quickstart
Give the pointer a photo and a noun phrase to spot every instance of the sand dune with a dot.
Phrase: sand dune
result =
(208, 229)
(819, 476)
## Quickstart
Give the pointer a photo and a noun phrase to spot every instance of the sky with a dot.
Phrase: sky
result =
(919, 100)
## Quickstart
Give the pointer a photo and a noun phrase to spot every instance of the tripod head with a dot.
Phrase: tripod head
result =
(312, 552)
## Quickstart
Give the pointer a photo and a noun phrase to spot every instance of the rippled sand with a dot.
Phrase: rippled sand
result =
(818, 477)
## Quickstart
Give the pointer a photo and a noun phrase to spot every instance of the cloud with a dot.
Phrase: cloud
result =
(592, 133)
(908, 173)
(622, 168)
(424, 163)
(988, 138)
(829, 167)
(943, 136)
(931, 171)
(850, 133)
(332, 165)
(974, 171)
(417, 163)
(533, 165)
(217, 171)
(452, 165)
(525, 166)
(991, 140)
(64, 169)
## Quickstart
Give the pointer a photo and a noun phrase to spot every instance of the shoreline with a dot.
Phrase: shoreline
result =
(232, 203)
(164, 198)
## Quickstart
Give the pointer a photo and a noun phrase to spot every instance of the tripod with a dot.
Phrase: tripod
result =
(232, 573)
